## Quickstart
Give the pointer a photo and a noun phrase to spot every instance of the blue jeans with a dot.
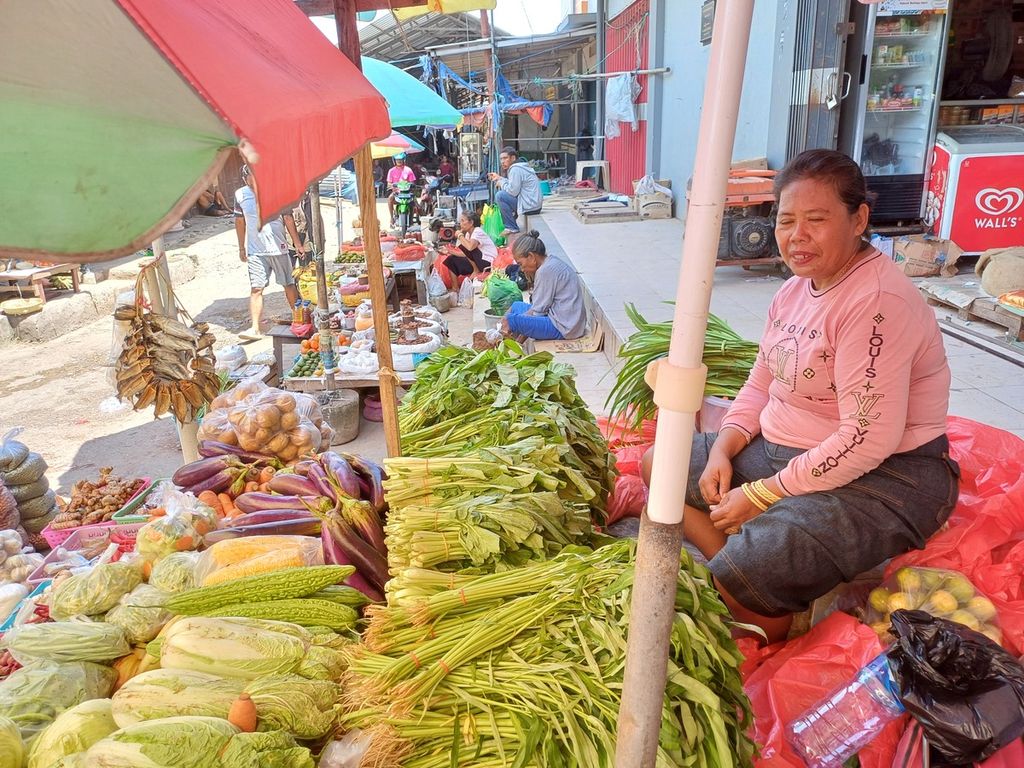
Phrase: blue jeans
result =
(537, 327)
(509, 207)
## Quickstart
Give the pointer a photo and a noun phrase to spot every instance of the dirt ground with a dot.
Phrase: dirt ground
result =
(58, 391)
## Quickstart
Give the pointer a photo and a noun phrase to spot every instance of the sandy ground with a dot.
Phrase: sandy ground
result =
(59, 392)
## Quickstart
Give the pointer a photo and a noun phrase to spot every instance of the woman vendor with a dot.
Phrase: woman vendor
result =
(477, 250)
(834, 455)
(556, 310)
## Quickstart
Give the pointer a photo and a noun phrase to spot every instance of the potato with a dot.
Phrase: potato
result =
(285, 402)
(278, 443)
(289, 421)
(268, 416)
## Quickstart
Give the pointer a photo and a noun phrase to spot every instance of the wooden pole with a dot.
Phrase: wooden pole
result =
(348, 43)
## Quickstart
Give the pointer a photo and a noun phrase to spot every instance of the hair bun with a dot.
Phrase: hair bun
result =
(533, 233)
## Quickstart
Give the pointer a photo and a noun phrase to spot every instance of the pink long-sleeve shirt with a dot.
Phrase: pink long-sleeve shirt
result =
(852, 374)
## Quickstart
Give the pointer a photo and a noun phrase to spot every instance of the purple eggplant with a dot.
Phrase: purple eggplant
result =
(375, 475)
(197, 471)
(369, 561)
(254, 501)
(342, 473)
(318, 477)
(210, 448)
(302, 467)
(216, 483)
(304, 526)
(293, 485)
(335, 555)
(361, 516)
(269, 516)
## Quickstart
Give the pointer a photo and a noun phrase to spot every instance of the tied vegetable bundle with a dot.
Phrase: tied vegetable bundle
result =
(728, 357)
(526, 667)
(464, 401)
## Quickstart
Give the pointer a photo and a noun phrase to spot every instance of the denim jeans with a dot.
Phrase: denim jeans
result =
(537, 327)
(509, 206)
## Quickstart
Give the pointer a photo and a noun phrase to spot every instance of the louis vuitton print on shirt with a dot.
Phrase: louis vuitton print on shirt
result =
(834, 371)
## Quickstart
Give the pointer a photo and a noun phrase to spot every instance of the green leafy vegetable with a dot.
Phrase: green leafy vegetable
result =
(728, 357)
(12, 750)
(72, 732)
(35, 694)
(93, 592)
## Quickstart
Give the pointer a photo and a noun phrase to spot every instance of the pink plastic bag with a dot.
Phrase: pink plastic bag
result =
(627, 499)
(786, 679)
(984, 537)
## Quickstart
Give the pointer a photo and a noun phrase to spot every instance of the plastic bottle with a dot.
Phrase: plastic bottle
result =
(297, 312)
(848, 719)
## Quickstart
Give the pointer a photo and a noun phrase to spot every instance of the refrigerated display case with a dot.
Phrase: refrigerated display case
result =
(975, 197)
(894, 60)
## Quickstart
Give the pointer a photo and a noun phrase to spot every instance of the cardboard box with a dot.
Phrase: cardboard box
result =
(923, 256)
(654, 206)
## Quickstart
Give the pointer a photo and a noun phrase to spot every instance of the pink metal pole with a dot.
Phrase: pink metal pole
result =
(679, 392)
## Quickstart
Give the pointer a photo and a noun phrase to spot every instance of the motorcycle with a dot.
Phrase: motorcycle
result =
(433, 187)
(405, 206)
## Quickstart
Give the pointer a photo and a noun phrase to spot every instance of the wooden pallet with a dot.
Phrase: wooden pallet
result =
(986, 308)
(601, 213)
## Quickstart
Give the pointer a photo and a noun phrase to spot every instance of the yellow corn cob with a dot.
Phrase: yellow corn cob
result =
(266, 563)
(231, 551)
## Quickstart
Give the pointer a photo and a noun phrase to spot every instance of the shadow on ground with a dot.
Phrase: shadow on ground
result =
(151, 449)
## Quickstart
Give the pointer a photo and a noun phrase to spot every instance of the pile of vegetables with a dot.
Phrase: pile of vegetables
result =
(728, 357)
(96, 501)
(526, 668)
(27, 503)
(306, 364)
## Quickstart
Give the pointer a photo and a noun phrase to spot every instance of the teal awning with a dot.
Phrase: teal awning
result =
(410, 102)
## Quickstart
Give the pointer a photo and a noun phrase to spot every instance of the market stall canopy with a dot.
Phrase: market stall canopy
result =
(117, 113)
(394, 144)
(410, 102)
(445, 6)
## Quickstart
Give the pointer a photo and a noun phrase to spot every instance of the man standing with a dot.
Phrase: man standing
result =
(518, 192)
(265, 250)
(400, 172)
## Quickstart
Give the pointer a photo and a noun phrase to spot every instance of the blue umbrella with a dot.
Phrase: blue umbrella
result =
(410, 102)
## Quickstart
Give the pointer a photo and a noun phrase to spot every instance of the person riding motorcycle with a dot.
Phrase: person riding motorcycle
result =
(400, 172)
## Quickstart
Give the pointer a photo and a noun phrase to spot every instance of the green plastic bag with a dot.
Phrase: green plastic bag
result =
(493, 224)
(501, 292)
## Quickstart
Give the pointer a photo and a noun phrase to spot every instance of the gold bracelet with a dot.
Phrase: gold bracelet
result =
(753, 497)
(768, 495)
(765, 502)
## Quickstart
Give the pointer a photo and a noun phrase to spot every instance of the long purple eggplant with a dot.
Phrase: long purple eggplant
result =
(197, 471)
(269, 516)
(254, 501)
(318, 477)
(216, 483)
(339, 469)
(305, 526)
(369, 561)
(335, 555)
(211, 448)
(361, 516)
(302, 467)
(292, 485)
(374, 475)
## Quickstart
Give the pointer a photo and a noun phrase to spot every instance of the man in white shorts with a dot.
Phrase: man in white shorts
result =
(264, 250)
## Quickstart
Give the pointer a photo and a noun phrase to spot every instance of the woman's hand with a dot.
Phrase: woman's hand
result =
(716, 479)
(732, 512)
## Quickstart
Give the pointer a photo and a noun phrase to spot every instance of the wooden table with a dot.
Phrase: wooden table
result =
(344, 381)
(36, 277)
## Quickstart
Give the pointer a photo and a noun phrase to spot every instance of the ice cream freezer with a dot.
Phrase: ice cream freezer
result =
(976, 187)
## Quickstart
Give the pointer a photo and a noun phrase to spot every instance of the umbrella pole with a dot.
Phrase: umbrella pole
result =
(348, 43)
(678, 393)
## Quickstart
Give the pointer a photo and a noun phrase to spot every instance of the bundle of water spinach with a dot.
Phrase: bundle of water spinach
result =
(525, 668)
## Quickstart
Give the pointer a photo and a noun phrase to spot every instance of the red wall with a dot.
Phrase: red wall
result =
(627, 153)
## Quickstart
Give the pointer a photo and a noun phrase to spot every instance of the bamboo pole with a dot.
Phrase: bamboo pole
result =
(678, 393)
(348, 43)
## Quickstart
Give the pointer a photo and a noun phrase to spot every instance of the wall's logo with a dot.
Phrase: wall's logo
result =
(999, 202)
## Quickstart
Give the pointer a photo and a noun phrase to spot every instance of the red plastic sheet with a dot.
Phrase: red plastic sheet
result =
(786, 679)
(984, 538)
(628, 445)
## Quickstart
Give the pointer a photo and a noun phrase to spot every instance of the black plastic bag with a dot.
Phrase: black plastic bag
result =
(965, 690)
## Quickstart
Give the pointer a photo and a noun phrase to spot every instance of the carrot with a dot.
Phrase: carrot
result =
(230, 510)
(264, 488)
(251, 486)
(267, 474)
(157, 512)
(210, 499)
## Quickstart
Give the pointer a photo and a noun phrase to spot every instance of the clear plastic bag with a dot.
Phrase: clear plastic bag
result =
(941, 593)
(266, 420)
(175, 532)
(234, 558)
(140, 614)
(35, 694)
(94, 592)
(435, 284)
(175, 573)
(12, 452)
(120, 330)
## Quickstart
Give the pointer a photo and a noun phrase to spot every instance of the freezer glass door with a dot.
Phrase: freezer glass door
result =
(905, 51)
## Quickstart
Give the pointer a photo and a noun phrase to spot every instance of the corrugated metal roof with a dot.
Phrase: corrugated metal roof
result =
(402, 43)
